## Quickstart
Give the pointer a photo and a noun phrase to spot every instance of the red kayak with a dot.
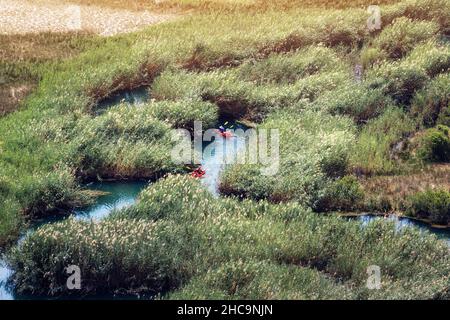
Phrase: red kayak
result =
(225, 134)
(198, 173)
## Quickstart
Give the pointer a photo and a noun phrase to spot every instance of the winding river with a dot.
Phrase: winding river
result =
(122, 194)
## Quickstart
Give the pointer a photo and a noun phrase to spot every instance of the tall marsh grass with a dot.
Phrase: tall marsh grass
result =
(164, 255)
(285, 67)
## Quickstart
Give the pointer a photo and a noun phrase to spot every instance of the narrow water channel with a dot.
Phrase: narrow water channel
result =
(405, 222)
(119, 195)
(122, 194)
(136, 97)
(218, 153)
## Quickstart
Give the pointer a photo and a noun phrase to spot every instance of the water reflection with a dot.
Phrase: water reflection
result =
(404, 222)
(218, 153)
(119, 195)
(135, 97)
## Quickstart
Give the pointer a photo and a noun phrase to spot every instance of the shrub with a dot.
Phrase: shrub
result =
(288, 68)
(343, 194)
(400, 79)
(314, 148)
(371, 153)
(433, 205)
(399, 38)
(182, 114)
(261, 281)
(356, 101)
(115, 257)
(432, 103)
(435, 145)
(50, 193)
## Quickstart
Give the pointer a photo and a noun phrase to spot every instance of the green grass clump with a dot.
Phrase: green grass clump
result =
(313, 149)
(343, 194)
(371, 56)
(262, 281)
(131, 260)
(288, 68)
(358, 102)
(400, 37)
(10, 217)
(164, 255)
(431, 10)
(52, 193)
(182, 114)
(239, 98)
(401, 79)
(434, 145)
(433, 57)
(123, 142)
(371, 152)
(431, 104)
(432, 205)
(11, 220)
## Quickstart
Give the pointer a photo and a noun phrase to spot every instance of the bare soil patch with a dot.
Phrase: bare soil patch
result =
(12, 95)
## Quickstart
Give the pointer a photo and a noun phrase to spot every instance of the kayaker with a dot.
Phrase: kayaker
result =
(198, 173)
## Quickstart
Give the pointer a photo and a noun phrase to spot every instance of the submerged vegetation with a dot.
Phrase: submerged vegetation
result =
(281, 66)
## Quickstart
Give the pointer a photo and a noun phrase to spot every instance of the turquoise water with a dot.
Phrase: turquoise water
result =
(5, 272)
(404, 222)
(218, 153)
(121, 194)
(135, 97)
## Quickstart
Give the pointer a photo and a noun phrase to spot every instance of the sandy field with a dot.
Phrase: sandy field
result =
(24, 16)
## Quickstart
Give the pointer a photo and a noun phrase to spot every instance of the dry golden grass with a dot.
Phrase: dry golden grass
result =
(42, 46)
(21, 56)
(394, 190)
